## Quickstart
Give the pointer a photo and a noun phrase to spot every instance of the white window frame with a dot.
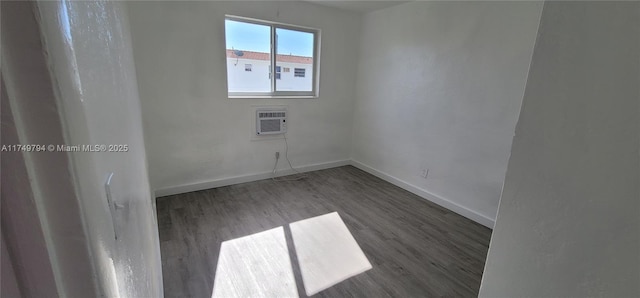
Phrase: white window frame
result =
(281, 94)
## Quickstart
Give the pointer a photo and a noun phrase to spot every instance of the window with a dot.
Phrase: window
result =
(272, 48)
(277, 72)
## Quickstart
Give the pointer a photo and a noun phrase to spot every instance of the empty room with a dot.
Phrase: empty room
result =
(312, 148)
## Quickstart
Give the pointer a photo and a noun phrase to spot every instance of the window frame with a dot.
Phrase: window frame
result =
(315, 74)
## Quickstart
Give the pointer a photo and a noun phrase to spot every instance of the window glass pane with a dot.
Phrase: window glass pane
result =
(294, 49)
(248, 45)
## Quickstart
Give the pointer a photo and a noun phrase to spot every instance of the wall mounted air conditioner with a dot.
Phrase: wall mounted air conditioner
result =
(271, 121)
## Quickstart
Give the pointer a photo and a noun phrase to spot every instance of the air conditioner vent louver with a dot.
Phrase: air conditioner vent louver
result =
(271, 121)
(271, 114)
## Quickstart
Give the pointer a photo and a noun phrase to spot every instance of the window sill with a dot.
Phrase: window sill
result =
(272, 96)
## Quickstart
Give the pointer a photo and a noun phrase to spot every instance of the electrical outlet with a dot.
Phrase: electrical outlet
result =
(425, 173)
(277, 155)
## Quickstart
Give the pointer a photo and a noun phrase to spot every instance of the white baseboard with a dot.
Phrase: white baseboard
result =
(464, 211)
(184, 188)
(468, 213)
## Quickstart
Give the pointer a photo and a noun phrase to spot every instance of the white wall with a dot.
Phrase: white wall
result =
(89, 48)
(194, 133)
(439, 87)
(41, 214)
(9, 282)
(569, 218)
(24, 256)
(257, 80)
(288, 80)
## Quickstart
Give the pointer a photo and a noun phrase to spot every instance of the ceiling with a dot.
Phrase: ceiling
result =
(361, 6)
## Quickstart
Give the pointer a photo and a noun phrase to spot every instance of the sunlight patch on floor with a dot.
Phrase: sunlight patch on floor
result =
(259, 265)
(327, 252)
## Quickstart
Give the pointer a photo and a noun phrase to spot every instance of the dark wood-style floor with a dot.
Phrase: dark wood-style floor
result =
(416, 248)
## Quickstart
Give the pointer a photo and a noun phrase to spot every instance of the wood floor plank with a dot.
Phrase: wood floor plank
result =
(416, 248)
